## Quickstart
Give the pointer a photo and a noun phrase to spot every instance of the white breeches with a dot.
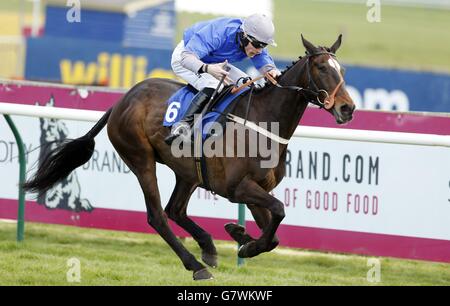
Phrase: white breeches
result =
(203, 80)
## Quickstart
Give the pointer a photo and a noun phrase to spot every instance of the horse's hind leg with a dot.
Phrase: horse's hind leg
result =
(157, 219)
(139, 157)
(176, 210)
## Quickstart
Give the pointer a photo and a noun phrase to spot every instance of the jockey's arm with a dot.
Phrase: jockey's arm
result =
(270, 69)
(190, 61)
(202, 43)
(265, 64)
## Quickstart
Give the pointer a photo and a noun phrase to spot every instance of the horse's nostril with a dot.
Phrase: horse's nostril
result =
(346, 109)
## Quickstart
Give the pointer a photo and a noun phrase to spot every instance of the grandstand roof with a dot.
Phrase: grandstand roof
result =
(125, 6)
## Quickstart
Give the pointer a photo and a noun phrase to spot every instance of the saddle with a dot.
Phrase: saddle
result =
(216, 111)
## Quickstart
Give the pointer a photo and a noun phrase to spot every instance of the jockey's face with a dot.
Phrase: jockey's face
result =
(251, 51)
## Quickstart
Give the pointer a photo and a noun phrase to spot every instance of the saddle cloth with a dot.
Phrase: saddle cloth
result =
(179, 102)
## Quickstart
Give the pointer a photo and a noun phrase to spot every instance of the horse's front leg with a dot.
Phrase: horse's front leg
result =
(262, 217)
(248, 191)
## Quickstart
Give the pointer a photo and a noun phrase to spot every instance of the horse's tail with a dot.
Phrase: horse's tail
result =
(60, 162)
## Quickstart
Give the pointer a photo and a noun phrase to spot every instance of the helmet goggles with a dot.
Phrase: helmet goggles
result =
(256, 43)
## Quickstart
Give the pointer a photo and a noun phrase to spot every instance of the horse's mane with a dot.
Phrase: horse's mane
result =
(267, 84)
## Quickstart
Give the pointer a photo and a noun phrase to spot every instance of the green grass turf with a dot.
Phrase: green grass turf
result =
(120, 258)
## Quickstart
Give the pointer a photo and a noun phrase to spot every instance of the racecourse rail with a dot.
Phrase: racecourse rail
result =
(301, 131)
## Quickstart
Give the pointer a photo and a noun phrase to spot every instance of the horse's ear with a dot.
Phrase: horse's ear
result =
(336, 45)
(310, 48)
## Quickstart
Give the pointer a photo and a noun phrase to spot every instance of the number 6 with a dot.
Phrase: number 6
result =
(172, 111)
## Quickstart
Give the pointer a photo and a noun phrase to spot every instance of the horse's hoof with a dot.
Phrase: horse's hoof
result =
(233, 228)
(273, 245)
(248, 250)
(237, 232)
(202, 274)
(210, 260)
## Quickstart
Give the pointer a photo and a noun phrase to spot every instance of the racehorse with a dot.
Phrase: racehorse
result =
(135, 129)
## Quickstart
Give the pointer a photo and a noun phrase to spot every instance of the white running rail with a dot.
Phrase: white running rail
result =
(302, 131)
(50, 112)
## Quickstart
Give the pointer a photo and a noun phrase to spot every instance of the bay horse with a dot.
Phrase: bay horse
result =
(135, 129)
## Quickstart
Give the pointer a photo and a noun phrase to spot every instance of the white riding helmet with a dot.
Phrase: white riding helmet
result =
(261, 27)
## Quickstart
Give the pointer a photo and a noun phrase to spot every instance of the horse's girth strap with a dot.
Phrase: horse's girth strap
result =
(200, 163)
(197, 152)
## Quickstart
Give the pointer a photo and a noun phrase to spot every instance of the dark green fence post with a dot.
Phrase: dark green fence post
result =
(241, 221)
(22, 169)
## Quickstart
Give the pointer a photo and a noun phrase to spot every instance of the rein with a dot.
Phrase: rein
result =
(327, 104)
(317, 93)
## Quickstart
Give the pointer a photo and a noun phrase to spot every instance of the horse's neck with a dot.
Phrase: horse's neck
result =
(284, 106)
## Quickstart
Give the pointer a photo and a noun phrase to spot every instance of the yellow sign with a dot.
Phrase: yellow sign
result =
(113, 70)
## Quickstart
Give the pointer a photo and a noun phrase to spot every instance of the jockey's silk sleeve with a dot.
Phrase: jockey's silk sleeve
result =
(206, 40)
(263, 62)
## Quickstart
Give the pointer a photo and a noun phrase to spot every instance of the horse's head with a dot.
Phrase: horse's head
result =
(326, 79)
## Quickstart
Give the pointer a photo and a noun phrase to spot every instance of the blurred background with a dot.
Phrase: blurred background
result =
(396, 52)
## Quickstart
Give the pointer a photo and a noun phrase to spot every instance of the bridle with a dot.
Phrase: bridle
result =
(312, 89)
(314, 92)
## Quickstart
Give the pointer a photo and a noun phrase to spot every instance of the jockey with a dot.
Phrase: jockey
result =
(207, 49)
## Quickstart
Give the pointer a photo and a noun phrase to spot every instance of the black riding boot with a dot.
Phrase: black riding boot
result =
(197, 103)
